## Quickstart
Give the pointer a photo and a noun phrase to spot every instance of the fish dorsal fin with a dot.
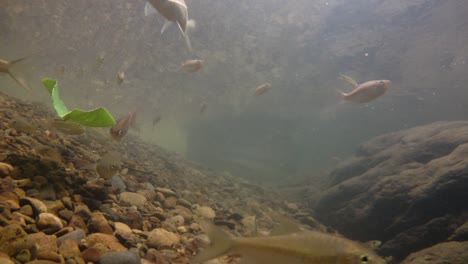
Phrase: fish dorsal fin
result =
(372, 244)
(167, 23)
(285, 225)
(149, 9)
(349, 80)
(179, 2)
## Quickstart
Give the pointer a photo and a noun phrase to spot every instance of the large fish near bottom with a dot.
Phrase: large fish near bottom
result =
(174, 11)
(304, 247)
(5, 67)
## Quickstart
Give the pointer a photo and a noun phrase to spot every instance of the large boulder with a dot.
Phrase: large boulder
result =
(407, 188)
(443, 253)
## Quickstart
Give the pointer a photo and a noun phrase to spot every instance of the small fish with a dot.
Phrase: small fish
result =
(100, 60)
(192, 65)
(304, 247)
(156, 120)
(67, 127)
(364, 92)
(203, 107)
(5, 67)
(120, 77)
(22, 125)
(174, 11)
(120, 129)
(108, 165)
(262, 88)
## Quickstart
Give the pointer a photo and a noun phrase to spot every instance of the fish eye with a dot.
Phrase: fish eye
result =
(364, 259)
(381, 82)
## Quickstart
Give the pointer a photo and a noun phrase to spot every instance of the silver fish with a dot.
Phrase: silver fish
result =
(174, 11)
(364, 92)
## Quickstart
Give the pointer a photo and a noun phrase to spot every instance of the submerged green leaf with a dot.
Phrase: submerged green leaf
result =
(98, 117)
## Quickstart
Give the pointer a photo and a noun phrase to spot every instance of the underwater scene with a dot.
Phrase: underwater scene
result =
(234, 131)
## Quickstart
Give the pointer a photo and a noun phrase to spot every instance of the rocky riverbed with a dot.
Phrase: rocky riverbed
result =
(408, 189)
(53, 212)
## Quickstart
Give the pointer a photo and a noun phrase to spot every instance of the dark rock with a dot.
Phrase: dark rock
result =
(398, 182)
(461, 233)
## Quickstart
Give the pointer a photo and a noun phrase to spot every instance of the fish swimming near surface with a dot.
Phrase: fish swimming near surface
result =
(174, 11)
(5, 67)
(192, 65)
(262, 88)
(304, 247)
(364, 92)
(120, 129)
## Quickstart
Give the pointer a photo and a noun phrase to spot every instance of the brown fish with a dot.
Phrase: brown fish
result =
(304, 247)
(120, 77)
(120, 129)
(364, 92)
(192, 65)
(174, 11)
(5, 67)
(108, 165)
(262, 88)
(22, 125)
(67, 127)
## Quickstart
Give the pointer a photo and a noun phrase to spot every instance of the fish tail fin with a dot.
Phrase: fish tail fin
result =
(18, 80)
(341, 94)
(191, 24)
(13, 62)
(349, 80)
(149, 9)
(21, 82)
(220, 243)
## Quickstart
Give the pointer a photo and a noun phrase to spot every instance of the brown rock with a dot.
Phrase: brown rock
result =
(26, 210)
(93, 254)
(447, 252)
(159, 197)
(37, 205)
(132, 199)
(13, 239)
(69, 249)
(170, 202)
(108, 240)
(49, 223)
(5, 169)
(159, 238)
(99, 224)
(47, 246)
(78, 223)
